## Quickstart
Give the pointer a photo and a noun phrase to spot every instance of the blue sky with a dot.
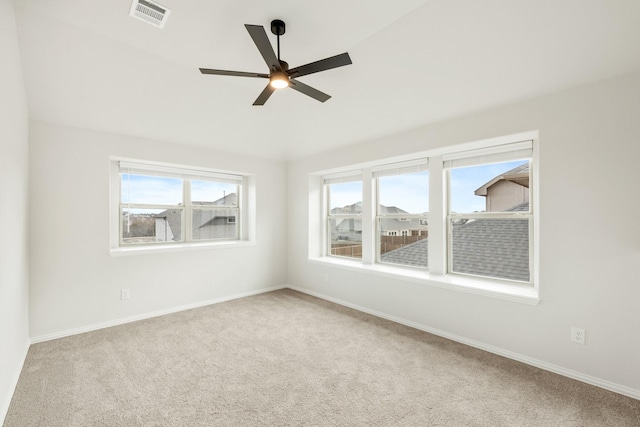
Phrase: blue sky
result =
(168, 191)
(410, 191)
(464, 181)
(345, 194)
(209, 191)
(151, 190)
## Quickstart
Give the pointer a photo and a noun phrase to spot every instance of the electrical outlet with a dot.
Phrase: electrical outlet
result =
(125, 294)
(578, 335)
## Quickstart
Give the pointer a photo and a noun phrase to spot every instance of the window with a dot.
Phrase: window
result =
(402, 213)
(466, 214)
(160, 204)
(489, 219)
(344, 215)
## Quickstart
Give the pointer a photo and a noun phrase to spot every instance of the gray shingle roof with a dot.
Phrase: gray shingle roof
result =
(492, 247)
(415, 254)
(484, 247)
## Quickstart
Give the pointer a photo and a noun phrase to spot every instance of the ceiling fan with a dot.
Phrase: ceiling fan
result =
(280, 75)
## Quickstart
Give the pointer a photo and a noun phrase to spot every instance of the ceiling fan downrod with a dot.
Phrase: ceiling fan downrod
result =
(278, 28)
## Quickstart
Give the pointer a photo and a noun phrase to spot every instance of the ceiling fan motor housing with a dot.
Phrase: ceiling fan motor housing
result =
(278, 27)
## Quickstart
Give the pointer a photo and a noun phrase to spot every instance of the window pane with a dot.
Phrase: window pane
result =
(406, 193)
(345, 197)
(156, 190)
(346, 237)
(491, 247)
(404, 241)
(213, 193)
(499, 187)
(151, 225)
(210, 224)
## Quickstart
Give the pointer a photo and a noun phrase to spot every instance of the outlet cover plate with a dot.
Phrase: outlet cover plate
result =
(578, 335)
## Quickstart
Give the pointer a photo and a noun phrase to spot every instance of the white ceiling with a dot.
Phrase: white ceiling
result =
(89, 64)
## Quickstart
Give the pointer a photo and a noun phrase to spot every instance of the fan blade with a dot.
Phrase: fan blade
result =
(232, 73)
(266, 93)
(322, 65)
(259, 36)
(308, 90)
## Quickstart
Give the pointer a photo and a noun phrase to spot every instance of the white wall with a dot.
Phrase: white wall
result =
(14, 333)
(589, 237)
(75, 283)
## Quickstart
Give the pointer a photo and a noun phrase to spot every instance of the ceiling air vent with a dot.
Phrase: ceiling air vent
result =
(150, 12)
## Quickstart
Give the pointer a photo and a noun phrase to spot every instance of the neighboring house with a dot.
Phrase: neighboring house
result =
(346, 236)
(351, 228)
(169, 225)
(507, 255)
(401, 226)
(506, 190)
(208, 222)
(347, 228)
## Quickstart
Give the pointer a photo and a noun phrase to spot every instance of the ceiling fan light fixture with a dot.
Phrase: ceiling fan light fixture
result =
(279, 80)
(280, 75)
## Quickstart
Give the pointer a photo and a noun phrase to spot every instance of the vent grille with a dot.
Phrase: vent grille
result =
(150, 12)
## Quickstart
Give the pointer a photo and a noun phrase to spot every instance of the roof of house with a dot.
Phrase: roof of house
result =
(348, 209)
(518, 175)
(357, 208)
(492, 247)
(227, 200)
(484, 247)
(414, 254)
(201, 217)
(388, 224)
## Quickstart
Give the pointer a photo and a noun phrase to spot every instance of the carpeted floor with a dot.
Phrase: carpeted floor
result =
(288, 359)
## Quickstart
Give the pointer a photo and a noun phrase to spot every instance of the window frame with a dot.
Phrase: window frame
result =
(398, 169)
(244, 224)
(501, 154)
(327, 182)
(438, 272)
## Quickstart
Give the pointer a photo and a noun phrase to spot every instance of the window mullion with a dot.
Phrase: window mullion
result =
(188, 215)
(238, 211)
(437, 217)
(368, 217)
(326, 215)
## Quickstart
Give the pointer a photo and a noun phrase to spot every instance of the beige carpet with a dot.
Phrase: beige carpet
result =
(288, 359)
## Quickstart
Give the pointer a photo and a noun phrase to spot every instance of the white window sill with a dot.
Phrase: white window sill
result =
(490, 288)
(179, 247)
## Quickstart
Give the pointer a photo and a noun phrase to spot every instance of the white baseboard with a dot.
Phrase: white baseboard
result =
(123, 320)
(4, 406)
(608, 385)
